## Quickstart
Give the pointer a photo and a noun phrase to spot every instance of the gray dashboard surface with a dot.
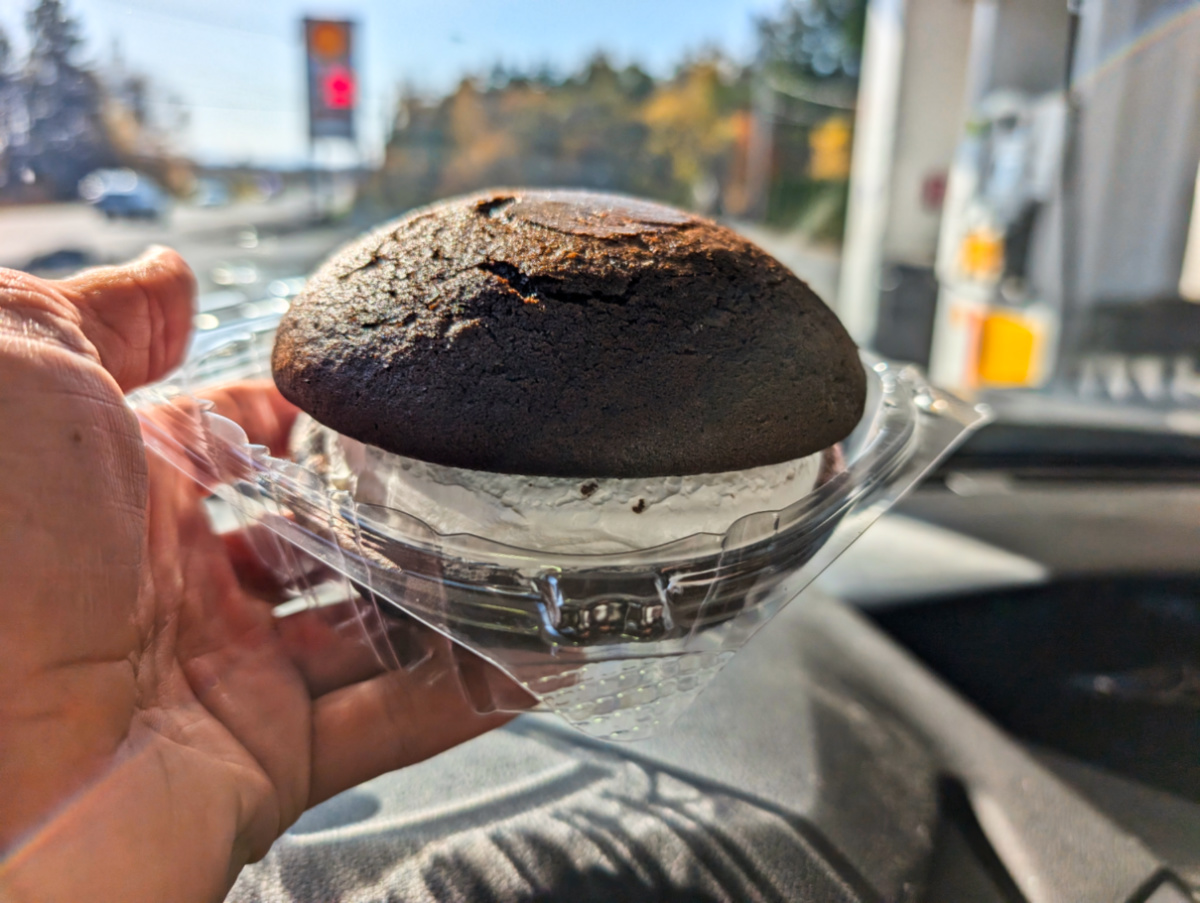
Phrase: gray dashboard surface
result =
(774, 786)
(812, 769)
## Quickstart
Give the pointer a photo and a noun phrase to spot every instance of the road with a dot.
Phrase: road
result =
(245, 246)
(240, 246)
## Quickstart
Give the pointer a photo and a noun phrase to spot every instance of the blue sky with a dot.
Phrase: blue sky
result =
(236, 64)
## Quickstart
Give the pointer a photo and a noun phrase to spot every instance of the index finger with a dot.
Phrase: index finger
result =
(258, 408)
(391, 721)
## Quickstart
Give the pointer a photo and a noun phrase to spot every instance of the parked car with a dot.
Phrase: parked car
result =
(211, 193)
(123, 193)
(60, 263)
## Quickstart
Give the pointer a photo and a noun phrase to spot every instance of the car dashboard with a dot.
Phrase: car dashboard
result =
(963, 707)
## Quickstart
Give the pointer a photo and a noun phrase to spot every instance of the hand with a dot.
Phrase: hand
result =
(159, 727)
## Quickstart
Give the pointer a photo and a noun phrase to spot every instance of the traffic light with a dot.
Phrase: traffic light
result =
(339, 88)
(332, 86)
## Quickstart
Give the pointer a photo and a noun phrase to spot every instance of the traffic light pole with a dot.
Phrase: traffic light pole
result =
(315, 213)
(332, 99)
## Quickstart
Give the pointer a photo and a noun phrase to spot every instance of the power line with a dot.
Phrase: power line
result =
(156, 12)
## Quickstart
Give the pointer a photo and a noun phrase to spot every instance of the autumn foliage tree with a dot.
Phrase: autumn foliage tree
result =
(702, 138)
(602, 127)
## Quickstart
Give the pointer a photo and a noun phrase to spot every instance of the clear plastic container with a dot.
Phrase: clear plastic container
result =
(617, 644)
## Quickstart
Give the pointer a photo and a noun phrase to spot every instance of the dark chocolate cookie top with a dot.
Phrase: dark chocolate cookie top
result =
(567, 333)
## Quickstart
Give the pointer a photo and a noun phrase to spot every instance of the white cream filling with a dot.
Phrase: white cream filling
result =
(556, 514)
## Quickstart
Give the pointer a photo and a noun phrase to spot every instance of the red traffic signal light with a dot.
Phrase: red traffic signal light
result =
(337, 88)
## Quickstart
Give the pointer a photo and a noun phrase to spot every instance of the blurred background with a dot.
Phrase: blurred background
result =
(1002, 191)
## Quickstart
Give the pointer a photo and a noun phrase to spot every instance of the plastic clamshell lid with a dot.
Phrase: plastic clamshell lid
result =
(619, 643)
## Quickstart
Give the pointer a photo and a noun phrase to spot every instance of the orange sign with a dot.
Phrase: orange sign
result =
(329, 39)
(1006, 350)
(982, 254)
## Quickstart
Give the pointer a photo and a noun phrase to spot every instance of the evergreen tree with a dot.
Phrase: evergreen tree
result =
(806, 76)
(9, 98)
(66, 137)
(814, 39)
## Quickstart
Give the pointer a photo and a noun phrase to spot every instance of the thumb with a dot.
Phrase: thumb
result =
(138, 315)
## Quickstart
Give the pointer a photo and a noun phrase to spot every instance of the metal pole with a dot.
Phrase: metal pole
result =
(1071, 340)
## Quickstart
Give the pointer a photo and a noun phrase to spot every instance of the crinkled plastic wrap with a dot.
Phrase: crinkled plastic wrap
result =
(618, 644)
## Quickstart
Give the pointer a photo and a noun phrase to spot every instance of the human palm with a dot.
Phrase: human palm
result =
(159, 726)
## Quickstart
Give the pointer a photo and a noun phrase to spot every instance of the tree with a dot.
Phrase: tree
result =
(814, 39)
(6, 63)
(9, 99)
(66, 138)
(806, 85)
(690, 126)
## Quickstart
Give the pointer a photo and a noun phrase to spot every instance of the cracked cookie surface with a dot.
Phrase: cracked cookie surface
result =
(565, 333)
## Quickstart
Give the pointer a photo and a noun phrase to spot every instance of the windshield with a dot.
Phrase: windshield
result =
(1003, 193)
